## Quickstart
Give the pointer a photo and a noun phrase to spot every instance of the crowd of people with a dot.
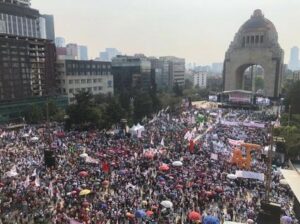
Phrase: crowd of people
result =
(175, 170)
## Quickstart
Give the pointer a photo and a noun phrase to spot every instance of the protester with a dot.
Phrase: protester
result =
(177, 165)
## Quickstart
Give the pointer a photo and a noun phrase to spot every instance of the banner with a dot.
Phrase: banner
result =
(235, 142)
(250, 175)
(214, 156)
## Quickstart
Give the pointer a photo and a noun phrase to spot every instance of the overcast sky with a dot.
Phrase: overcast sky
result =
(198, 30)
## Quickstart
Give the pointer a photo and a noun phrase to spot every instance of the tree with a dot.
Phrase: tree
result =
(143, 106)
(259, 83)
(34, 114)
(177, 90)
(188, 84)
(293, 98)
(114, 112)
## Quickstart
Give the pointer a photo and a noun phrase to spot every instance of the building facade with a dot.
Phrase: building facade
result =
(79, 75)
(72, 51)
(160, 73)
(294, 63)
(27, 67)
(176, 70)
(60, 42)
(49, 27)
(131, 73)
(200, 80)
(83, 52)
(109, 54)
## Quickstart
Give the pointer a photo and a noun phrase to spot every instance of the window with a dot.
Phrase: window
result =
(256, 39)
(71, 90)
(83, 80)
(89, 81)
(95, 80)
(100, 88)
(252, 39)
(95, 88)
(70, 81)
(261, 39)
(90, 89)
(99, 80)
(248, 39)
(77, 81)
(77, 90)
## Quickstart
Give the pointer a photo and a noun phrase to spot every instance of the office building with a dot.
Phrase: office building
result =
(60, 42)
(49, 27)
(176, 70)
(72, 51)
(17, 18)
(109, 54)
(160, 73)
(200, 80)
(27, 67)
(131, 73)
(79, 75)
(294, 63)
(83, 52)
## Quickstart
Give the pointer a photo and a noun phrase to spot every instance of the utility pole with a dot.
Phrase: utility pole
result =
(290, 106)
(269, 167)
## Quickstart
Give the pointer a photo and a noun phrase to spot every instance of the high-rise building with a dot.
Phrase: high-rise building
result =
(60, 42)
(17, 18)
(200, 79)
(49, 23)
(131, 73)
(72, 51)
(176, 70)
(79, 75)
(27, 67)
(160, 72)
(217, 68)
(83, 52)
(109, 54)
(294, 59)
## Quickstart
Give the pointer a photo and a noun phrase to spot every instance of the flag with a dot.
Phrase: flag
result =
(34, 173)
(37, 181)
(51, 189)
(91, 160)
(214, 156)
(151, 141)
(12, 172)
(192, 146)
(105, 167)
(27, 182)
(162, 142)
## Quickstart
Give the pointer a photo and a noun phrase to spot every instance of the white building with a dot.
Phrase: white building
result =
(200, 79)
(79, 75)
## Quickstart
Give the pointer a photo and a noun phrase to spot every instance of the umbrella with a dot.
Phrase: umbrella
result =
(84, 155)
(149, 155)
(211, 220)
(83, 174)
(129, 215)
(194, 216)
(164, 167)
(231, 176)
(177, 163)
(167, 204)
(140, 214)
(25, 136)
(34, 139)
(250, 221)
(105, 183)
(85, 192)
(149, 213)
(283, 182)
(286, 220)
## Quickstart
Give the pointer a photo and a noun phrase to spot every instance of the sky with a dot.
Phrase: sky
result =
(198, 30)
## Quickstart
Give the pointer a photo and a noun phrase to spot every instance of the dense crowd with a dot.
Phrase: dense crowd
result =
(159, 175)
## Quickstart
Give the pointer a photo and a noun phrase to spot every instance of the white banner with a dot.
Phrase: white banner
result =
(250, 175)
(214, 156)
(235, 142)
